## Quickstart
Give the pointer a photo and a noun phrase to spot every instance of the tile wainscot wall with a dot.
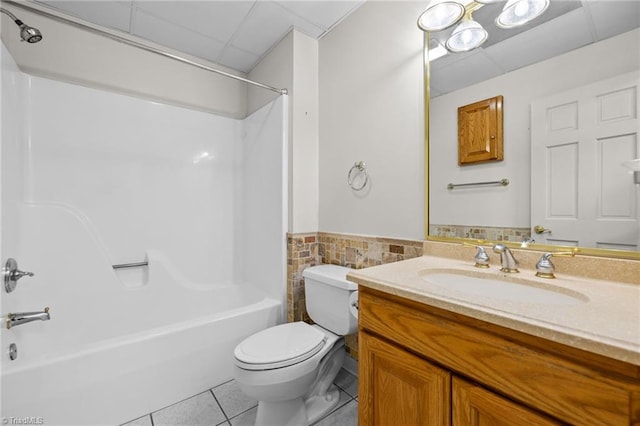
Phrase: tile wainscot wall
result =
(353, 251)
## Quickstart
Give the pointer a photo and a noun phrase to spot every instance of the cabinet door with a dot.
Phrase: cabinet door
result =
(398, 388)
(480, 132)
(475, 406)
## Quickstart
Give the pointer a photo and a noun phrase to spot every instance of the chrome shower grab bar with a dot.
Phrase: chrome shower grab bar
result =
(503, 182)
(130, 265)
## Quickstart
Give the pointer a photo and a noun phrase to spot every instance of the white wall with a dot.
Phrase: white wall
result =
(371, 109)
(305, 147)
(74, 55)
(293, 64)
(275, 69)
(510, 206)
(263, 212)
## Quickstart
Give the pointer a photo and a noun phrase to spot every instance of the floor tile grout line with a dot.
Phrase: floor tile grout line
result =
(343, 390)
(222, 384)
(224, 413)
(243, 412)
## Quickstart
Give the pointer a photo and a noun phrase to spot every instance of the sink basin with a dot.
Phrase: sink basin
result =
(504, 288)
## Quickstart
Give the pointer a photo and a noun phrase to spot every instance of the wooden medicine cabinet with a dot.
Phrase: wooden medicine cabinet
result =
(480, 132)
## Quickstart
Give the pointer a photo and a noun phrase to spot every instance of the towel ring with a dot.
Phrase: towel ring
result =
(360, 167)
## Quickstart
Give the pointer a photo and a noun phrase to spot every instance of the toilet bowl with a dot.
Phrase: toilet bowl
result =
(290, 368)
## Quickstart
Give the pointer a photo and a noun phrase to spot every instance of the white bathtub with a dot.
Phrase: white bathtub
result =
(111, 381)
(119, 344)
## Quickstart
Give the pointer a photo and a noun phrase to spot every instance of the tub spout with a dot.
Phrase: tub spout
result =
(25, 317)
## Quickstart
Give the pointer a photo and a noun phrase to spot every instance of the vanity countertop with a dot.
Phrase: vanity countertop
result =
(606, 320)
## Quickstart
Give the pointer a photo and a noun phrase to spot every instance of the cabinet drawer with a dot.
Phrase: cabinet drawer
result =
(559, 387)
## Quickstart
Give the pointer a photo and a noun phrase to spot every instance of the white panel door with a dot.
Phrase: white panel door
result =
(580, 192)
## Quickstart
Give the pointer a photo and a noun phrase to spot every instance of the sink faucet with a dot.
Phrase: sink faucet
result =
(25, 317)
(509, 263)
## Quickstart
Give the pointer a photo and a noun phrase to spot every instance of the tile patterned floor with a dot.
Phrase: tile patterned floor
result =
(226, 405)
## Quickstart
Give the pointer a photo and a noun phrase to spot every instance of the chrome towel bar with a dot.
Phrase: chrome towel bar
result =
(130, 265)
(503, 182)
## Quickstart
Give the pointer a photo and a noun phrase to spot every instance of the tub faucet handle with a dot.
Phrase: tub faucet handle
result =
(11, 274)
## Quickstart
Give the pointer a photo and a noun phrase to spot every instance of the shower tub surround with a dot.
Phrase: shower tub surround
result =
(91, 179)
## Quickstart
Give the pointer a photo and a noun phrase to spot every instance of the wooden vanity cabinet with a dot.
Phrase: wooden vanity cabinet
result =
(420, 365)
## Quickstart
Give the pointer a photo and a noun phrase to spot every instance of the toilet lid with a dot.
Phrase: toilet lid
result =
(279, 346)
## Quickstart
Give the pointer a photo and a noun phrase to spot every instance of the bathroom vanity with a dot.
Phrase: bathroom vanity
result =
(433, 356)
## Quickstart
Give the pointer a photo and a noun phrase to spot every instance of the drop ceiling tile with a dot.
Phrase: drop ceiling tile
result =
(111, 14)
(445, 79)
(324, 14)
(266, 25)
(547, 40)
(238, 59)
(216, 19)
(614, 17)
(176, 37)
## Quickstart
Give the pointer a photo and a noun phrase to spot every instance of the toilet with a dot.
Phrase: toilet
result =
(290, 368)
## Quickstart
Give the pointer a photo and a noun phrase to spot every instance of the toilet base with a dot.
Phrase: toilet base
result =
(318, 406)
(297, 412)
(282, 413)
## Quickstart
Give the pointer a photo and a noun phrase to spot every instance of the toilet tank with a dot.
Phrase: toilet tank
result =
(327, 292)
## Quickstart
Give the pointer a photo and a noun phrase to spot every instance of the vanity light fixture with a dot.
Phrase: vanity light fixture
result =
(467, 36)
(440, 15)
(518, 12)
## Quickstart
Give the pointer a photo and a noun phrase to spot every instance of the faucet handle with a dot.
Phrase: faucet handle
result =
(545, 268)
(11, 274)
(481, 257)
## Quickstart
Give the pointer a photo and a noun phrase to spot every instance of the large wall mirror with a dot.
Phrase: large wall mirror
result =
(570, 83)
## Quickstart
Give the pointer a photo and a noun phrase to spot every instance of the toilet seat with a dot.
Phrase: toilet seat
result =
(279, 346)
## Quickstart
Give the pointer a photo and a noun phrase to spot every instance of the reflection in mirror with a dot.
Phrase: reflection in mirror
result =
(570, 84)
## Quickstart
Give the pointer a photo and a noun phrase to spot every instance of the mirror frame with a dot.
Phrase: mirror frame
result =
(587, 251)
